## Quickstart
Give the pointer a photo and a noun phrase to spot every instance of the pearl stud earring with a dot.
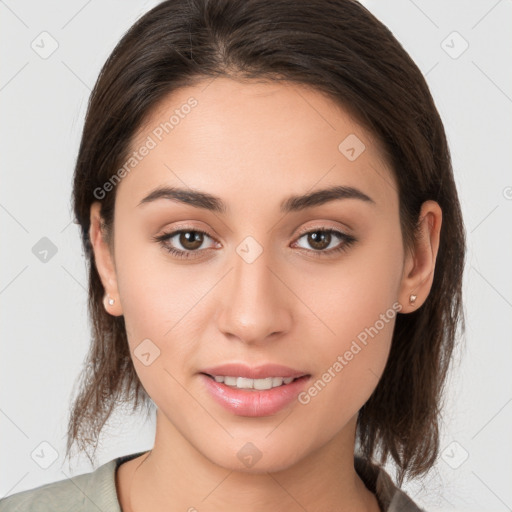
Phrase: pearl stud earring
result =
(110, 300)
(412, 299)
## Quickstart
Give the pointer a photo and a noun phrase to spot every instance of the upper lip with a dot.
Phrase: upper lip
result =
(254, 372)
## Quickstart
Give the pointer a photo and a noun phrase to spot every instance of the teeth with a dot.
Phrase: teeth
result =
(258, 384)
(276, 381)
(267, 383)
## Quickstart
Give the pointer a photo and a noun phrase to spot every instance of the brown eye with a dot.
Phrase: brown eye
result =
(321, 240)
(191, 240)
(188, 242)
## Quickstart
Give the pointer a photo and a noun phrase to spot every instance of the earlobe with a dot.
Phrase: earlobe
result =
(104, 261)
(420, 262)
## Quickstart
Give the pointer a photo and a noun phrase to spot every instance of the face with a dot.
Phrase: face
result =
(264, 277)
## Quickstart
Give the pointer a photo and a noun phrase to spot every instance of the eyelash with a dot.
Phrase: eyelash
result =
(347, 241)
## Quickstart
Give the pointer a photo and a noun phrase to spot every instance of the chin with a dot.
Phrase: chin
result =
(248, 458)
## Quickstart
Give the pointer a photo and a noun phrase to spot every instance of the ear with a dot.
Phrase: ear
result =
(420, 262)
(104, 260)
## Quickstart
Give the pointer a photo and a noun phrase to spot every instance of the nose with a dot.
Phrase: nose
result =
(255, 301)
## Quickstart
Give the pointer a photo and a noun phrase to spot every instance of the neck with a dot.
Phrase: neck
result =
(175, 476)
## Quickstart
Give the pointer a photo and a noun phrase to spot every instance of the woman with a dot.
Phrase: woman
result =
(276, 250)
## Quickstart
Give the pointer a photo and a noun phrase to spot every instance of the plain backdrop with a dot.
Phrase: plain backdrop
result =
(463, 48)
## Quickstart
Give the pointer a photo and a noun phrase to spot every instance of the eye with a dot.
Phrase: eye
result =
(191, 240)
(323, 241)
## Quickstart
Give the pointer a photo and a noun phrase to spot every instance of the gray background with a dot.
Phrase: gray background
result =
(44, 326)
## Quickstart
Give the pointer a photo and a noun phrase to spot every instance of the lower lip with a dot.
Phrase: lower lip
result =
(254, 403)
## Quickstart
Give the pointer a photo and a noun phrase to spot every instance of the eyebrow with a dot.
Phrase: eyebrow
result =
(294, 203)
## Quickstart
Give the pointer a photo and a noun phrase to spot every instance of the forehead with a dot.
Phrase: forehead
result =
(260, 139)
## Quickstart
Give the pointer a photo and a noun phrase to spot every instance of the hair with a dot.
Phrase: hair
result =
(338, 48)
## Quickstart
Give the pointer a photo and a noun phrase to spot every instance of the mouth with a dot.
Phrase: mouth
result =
(248, 384)
(266, 395)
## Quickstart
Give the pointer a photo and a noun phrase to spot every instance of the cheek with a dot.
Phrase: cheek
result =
(163, 309)
(350, 360)
(156, 298)
(356, 305)
(154, 292)
(352, 293)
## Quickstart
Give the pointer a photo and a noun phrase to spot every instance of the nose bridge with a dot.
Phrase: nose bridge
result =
(252, 277)
(254, 306)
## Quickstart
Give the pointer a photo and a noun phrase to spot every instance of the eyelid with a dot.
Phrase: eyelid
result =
(184, 226)
(323, 225)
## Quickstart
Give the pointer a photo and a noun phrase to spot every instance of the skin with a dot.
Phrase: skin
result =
(254, 144)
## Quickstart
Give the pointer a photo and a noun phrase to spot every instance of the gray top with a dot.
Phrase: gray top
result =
(96, 491)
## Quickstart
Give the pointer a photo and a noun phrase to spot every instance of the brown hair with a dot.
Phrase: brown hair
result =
(336, 47)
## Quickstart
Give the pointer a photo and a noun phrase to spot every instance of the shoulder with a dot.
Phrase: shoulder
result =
(83, 493)
(389, 496)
